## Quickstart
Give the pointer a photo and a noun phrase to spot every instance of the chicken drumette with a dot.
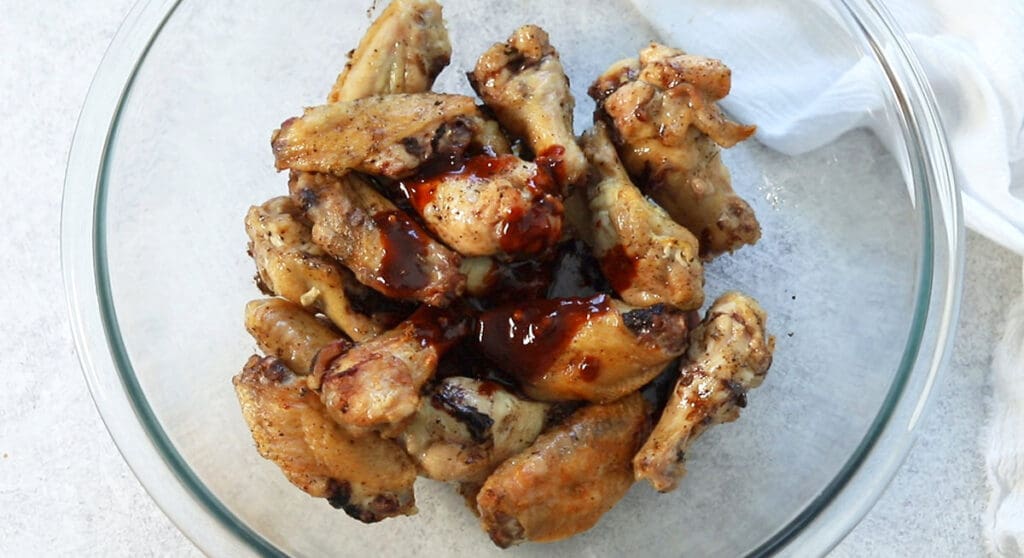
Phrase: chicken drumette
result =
(647, 257)
(524, 83)
(729, 354)
(668, 128)
(489, 205)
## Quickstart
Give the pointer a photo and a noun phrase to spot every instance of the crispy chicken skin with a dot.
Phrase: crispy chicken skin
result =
(402, 52)
(489, 205)
(290, 265)
(285, 330)
(376, 385)
(368, 477)
(384, 248)
(729, 354)
(386, 135)
(524, 83)
(464, 428)
(665, 121)
(646, 256)
(571, 475)
(596, 349)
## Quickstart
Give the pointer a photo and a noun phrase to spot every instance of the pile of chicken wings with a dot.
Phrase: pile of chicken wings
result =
(471, 293)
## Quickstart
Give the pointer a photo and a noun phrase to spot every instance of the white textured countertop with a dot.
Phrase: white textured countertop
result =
(64, 489)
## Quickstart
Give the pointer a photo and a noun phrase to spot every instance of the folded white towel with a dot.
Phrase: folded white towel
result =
(973, 55)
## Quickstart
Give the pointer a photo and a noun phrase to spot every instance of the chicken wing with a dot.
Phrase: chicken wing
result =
(563, 483)
(368, 477)
(647, 257)
(488, 205)
(597, 349)
(666, 124)
(285, 330)
(290, 265)
(386, 135)
(729, 354)
(402, 52)
(464, 428)
(376, 385)
(524, 83)
(384, 248)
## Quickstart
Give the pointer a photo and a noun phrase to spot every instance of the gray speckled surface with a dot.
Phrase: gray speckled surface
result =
(934, 503)
(64, 489)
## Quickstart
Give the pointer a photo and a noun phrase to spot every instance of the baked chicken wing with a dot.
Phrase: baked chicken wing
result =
(402, 52)
(386, 135)
(382, 245)
(729, 354)
(571, 475)
(464, 428)
(285, 330)
(290, 265)
(376, 385)
(646, 256)
(596, 349)
(488, 205)
(368, 477)
(668, 129)
(524, 83)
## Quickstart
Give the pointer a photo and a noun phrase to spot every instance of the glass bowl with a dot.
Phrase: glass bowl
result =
(858, 268)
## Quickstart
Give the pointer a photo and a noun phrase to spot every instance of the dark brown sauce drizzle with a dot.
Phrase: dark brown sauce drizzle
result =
(619, 268)
(589, 369)
(525, 339)
(551, 164)
(534, 229)
(439, 328)
(525, 230)
(401, 271)
(421, 189)
(519, 281)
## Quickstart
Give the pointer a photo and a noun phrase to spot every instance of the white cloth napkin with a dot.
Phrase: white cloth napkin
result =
(973, 54)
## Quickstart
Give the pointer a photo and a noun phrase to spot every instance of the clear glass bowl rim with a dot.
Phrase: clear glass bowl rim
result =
(154, 460)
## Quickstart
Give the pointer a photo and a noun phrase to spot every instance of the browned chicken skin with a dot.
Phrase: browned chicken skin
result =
(666, 123)
(571, 475)
(465, 427)
(370, 415)
(647, 257)
(290, 265)
(376, 385)
(729, 354)
(524, 83)
(386, 135)
(285, 330)
(596, 349)
(489, 205)
(368, 477)
(402, 52)
(384, 248)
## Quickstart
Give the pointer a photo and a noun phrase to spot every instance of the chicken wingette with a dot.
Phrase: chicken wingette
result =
(368, 477)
